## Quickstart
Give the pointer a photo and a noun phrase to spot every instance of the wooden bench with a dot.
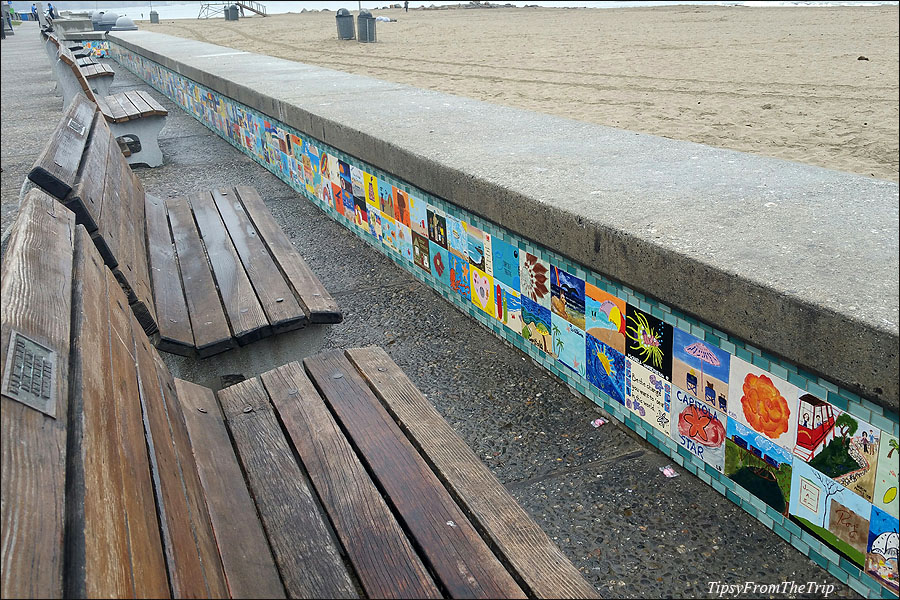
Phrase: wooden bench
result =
(134, 115)
(205, 272)
(100, 75)
(332, 478)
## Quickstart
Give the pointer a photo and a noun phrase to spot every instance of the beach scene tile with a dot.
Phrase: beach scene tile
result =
(700, 368)
(567, 296)
(604, 316)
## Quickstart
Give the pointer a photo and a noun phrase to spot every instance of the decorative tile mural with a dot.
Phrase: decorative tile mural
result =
(812, 461)
(98, 48)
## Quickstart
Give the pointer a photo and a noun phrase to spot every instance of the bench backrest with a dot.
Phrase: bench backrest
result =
(68, 58)
(108, 437)
(83, 168)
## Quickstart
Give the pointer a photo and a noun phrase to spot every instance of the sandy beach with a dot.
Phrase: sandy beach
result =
(782, 82)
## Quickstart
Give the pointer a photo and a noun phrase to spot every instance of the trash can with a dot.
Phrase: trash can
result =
(154, 16)
(345, 25)
(365, 24)
(96, 17)
(231, 12)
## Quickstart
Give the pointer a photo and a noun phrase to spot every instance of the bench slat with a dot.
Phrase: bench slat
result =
(175, 333)
(276, 297)
(307, 556)
(145, 545)
(383, 559)
(133, 271)
(113, 511)
(56, 167)
(139, 103)
(155, 106)
(448, 541)
(211, 333)
(111, 212)
(537, 560)
(249, 566)
(316, 300)
(246, 317)
(86, 197)
(118, 111)
(35, 288)
(194, 565)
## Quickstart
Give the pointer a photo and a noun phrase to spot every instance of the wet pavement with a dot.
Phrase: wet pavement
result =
(598, 492)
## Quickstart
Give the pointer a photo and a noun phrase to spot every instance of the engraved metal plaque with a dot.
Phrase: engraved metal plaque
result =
(77, 127)
(29, 375)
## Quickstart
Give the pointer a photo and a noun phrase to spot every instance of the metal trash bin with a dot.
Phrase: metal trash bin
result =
(365, 24)
(124, 24)
(96, 18)
(231, 12)
(154, 16)
(345, 25)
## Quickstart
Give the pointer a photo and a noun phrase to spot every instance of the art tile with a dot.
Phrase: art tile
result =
(505, 262)
(386, 197)
(605, 368)
(437, 226)
(421, 252)
(885, 492)
(758, 465)
(534, 279)
(482, 286)
(648, 341)
(648, 395)
(536, 325)
(699, 428)
(508, 306)
(460, 280)
(882, 549)
(763, 402)
(568, 344)
(440, 263)
(370, 190)
(475, 246)
(401, 206)
(700, 368)
(830, 512)
(418, 213)
(604, 316)
(457, 240)
(567, 296)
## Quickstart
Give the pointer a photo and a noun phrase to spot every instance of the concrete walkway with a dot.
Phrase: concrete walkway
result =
(598, 492)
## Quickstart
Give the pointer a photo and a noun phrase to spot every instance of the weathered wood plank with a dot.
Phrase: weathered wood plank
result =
(119, 110)
(307, 556)
(57, 166)
(314, 298)
(245, 315)
(139, 103)
(112, 212)
(537, 561)
(99, 562)
(211, 332)
(132, 270)
(275, 295)
(249, 566)
(36, 295)
(383, 558)
(156, 107)
(195, 568)
(447, 540)
(145, 550)
(86, 197)
(175, 333)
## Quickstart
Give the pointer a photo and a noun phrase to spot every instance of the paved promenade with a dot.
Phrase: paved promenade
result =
(598, 492)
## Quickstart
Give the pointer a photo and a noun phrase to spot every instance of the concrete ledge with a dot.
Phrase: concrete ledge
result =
(798, 260)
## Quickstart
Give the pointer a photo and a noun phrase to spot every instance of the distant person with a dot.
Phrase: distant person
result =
(51, 11)
(34, 16)
(406, 5)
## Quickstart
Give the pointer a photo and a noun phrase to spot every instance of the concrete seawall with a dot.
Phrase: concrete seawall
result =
(799, 261)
